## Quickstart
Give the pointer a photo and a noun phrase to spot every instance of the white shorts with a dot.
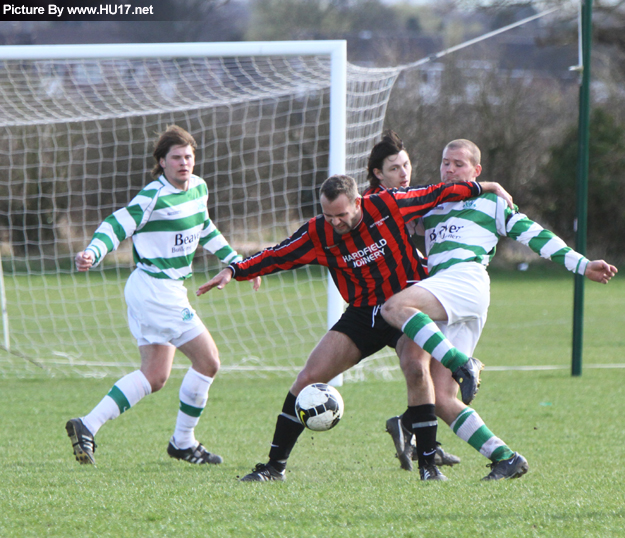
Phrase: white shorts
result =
(159, 311)
(464, 335)
(464, 291)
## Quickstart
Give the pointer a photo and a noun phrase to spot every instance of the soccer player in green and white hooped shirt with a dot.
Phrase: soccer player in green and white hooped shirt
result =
(460, 239)
(167, 221)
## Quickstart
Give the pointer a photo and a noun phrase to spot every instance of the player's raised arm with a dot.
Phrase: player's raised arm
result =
(414, 202)
(495, 188)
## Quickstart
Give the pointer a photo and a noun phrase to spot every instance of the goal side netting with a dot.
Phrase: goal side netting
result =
(76, 145)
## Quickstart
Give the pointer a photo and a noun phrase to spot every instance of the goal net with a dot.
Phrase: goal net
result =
(76, 145)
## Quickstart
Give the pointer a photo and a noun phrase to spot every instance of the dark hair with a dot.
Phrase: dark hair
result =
(339, 184)
(172, 136)
(390, 144)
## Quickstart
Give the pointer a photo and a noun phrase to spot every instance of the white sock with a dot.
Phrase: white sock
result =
(193, 397)
(125, 393)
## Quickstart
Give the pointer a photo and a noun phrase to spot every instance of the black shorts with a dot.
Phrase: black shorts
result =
(366, 327)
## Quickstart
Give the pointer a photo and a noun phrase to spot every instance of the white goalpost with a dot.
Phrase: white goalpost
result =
(272, 121)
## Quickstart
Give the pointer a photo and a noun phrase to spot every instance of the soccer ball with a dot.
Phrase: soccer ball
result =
(319, 407)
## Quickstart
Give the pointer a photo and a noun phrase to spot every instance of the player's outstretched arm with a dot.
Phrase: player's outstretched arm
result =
(600, 271)
(218, 281)
(496, 188)
(84, 260)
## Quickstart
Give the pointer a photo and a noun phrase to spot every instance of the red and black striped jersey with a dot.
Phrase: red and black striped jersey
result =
(373, 190)
(411, 226)
(371, 262)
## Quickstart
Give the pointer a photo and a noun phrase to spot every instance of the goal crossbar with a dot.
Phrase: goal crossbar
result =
(336, 48)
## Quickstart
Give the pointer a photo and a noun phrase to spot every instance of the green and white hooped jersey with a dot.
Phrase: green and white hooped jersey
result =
(166, 226)
(468, 231)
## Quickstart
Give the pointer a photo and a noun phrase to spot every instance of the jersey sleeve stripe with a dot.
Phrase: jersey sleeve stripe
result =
(549, 245)
(517, 224)
(115, 228)
(95, 250)
(99, 250)
(209, 231)
(228, 255)
(295, 251)
(575, 262)
(105, 245)
(544, 242)
(132, 213)
(225, 253)
(417, 201)
(216, 244)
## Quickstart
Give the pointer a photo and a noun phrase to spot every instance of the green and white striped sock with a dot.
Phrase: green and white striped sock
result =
(470, 427)
(424, 332)
(193, 398)
(124, 394)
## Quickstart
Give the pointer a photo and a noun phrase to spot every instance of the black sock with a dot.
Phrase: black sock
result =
(421, 420)
(288, 429)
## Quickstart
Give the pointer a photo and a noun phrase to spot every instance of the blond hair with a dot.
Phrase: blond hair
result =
(475, 155)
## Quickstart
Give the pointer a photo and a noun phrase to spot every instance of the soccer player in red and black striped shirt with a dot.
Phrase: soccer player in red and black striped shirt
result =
(389, 167)
(364, 244)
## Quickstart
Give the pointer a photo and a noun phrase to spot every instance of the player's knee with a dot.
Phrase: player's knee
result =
(158, 382)
(207, 367)
(390, 310)
(304, 378)
(414, 371)
(213, 367)
(387, 308)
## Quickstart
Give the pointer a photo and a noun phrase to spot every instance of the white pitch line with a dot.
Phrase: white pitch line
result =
(552, 367)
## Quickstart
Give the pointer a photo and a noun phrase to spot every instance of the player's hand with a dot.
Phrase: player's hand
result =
(218, 281)
(600, 271)
(256, 281)
(496, 188)
(84, 260)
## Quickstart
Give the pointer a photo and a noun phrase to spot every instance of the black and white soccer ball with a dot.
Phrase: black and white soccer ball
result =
(319, 407)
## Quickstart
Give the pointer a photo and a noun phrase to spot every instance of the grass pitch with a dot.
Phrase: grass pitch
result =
(345, 482)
